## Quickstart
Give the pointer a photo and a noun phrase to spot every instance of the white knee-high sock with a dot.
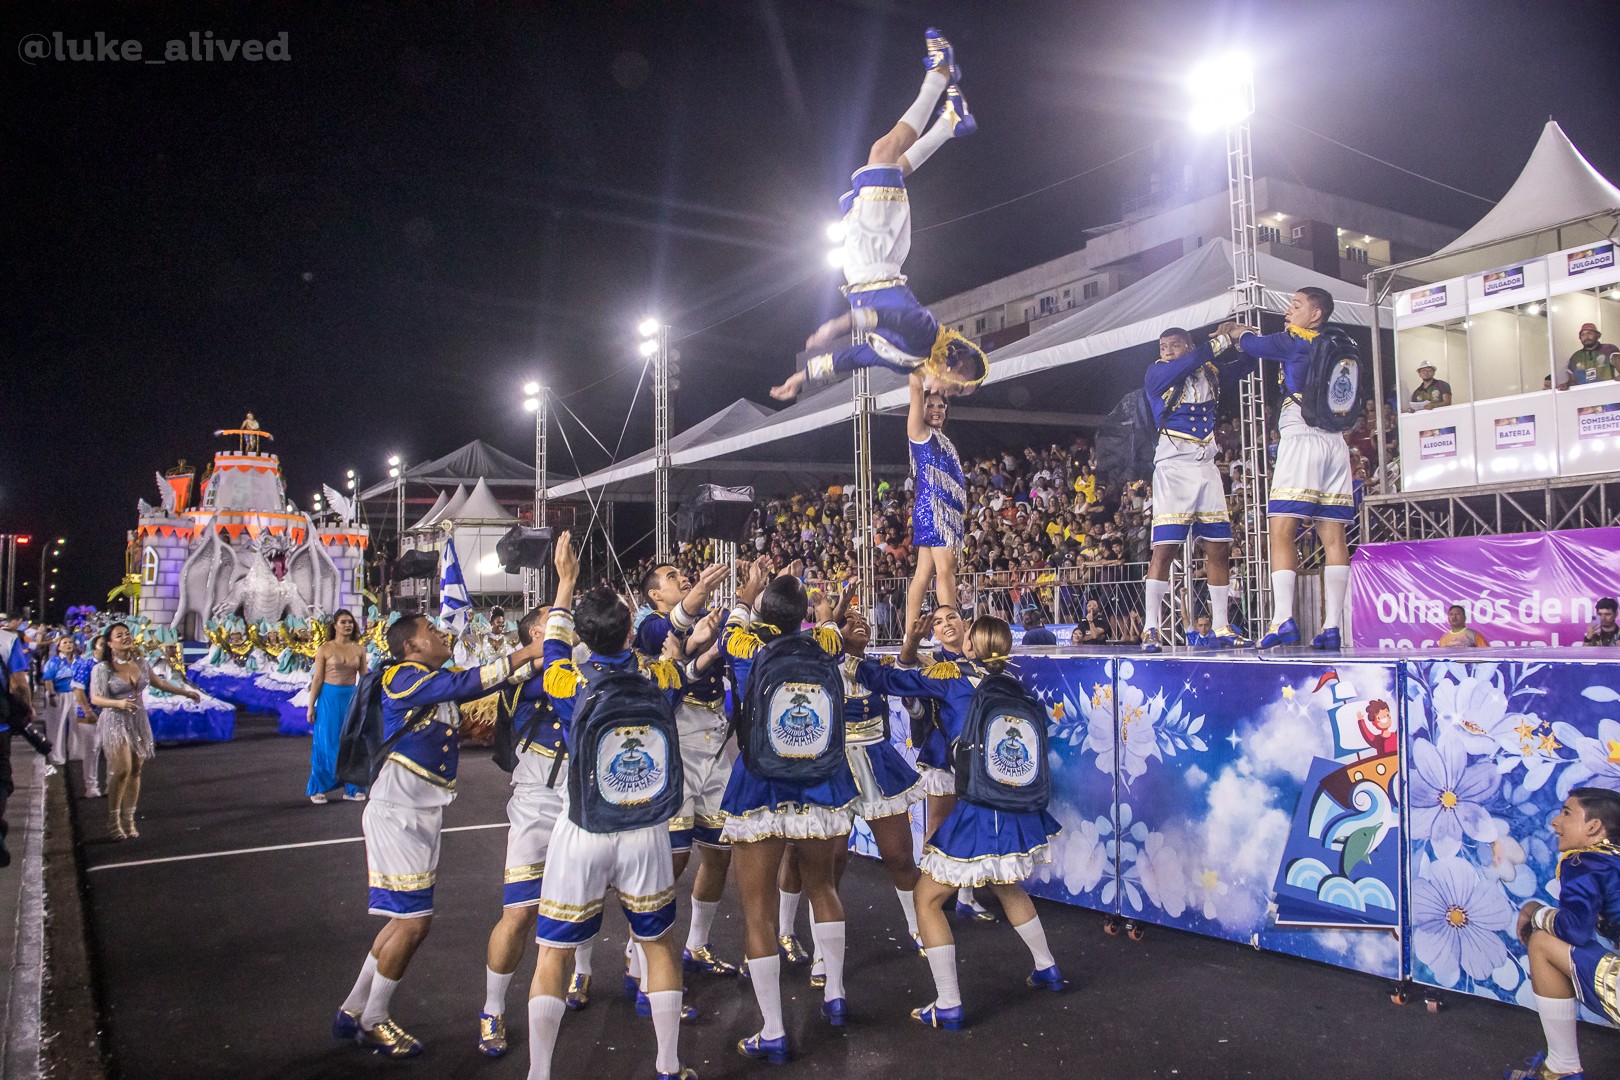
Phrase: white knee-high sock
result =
(356, 1001)
(495, 985)
(1156, 590)
(1220, 605)
(787, 912)
(830, 944)
(765, 973)
(666, 1018)
(582, 957)
(908, 904)
(697, 934)
(1282, 595)
(1034, 936)
(377, 1001)
(632, 957)
(942, 962)
(923, 149)
(545, 1018)
(1335, 585)
(917, 117)
(1558, 1023)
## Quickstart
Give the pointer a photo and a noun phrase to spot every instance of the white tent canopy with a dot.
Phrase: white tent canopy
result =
(1558, 201)
(480, 506)
(1195, 290)
(453, 507)
(433, 515)
(738, 416)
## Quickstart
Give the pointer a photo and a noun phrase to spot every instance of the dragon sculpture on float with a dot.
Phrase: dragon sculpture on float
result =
(263, 580)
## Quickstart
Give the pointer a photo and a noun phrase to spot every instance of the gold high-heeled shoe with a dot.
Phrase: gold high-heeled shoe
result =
(129, 825)
(115, 826)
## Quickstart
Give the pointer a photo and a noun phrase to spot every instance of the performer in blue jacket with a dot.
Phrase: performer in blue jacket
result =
(1189, 498)
(975, 845)
(1311, 481)
(405, 813)
(896, 331)
(1572, 946)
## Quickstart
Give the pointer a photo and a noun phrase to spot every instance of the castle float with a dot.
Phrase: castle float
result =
(244, 549)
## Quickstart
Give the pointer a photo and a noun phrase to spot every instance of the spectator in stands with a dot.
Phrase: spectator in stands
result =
(1092, 628)
(1035, 631)
(1603, 633)
(1593, 362)
(1459, 632)
(1430, 392)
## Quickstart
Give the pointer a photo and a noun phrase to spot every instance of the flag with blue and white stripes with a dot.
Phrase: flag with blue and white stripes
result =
(453, 600)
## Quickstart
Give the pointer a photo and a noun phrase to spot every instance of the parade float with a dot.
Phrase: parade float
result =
(245, 571)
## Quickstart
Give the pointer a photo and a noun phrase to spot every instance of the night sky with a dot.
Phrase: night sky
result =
(372, 243)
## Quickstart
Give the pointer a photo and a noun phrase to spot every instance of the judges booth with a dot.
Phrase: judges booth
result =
(1503, 339)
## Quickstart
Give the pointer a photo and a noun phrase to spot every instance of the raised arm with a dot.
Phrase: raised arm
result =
(567, 564)
(916, 426)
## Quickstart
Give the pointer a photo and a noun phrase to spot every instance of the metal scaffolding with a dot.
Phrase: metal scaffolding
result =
(865, 491)
(1253, 566)
(1572, 502)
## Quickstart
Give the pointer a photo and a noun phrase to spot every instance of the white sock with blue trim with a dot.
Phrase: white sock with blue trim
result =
(931, 140)
(545, 1018)
(787, 911)
(697, 935)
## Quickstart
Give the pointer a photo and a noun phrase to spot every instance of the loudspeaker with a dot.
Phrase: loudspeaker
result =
(524, 548)
(715, 513)
(416, 564)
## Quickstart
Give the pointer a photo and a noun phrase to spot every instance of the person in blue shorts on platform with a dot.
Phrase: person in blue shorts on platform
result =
(897, 332)
(1312, 482)
(1570, 960)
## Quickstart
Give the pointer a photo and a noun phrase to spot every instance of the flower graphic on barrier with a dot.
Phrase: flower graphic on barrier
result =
(1474, 708)
(1599, 763)
(1457, 922)
(1207, 889)
(1125, 846)
(1158, 870)
(1081, 855)
(1448, 795)
(1136, 741)
(1509, 863)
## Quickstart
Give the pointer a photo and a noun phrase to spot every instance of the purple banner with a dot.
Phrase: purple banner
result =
(1525, 589)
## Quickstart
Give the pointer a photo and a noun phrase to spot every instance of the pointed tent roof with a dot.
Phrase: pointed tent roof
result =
(453, 507)
(480, 506)
(433, 515)
(1557, 192)
(476, 461)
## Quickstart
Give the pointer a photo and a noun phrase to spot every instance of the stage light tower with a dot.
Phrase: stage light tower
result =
(534, 400)
(1222, 90)
(655, 346)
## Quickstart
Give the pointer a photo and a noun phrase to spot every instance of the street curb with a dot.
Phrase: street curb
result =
(69, 1017)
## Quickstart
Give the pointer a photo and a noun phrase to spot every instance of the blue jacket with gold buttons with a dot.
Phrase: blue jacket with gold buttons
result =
(426, 698)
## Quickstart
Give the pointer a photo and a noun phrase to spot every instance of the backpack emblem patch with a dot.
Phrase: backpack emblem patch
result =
(799, 720)
(631, 765)
(1009, 760)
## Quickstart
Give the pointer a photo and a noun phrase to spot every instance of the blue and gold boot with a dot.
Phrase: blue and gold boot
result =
(951, 1019)
(1328, 640)
(792, 952)
(1224, 637)
(491, 1035)
(1283, 633)
(1536, 1069)
(940, 57)
(390, 1040)
(1150, 640)
(757, 1046)
(684, 1074)
(835, 1012)
(955, 112)
(644, 1008)
(704, 962)
(975, 912)
(346, 1025)
(579, 992)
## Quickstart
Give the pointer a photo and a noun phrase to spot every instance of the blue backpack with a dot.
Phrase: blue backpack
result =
(362, 750)
(624, 765)
(792, 725)
(1001, 753)
(1337, 386)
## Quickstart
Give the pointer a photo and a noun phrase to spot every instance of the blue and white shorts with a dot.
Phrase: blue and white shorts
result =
(1188, 496)
(706, 757)
(402, 857)
(1312, 477)
(585, 865)
(533, 811)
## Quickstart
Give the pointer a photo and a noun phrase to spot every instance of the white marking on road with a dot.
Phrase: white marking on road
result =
(275, 847)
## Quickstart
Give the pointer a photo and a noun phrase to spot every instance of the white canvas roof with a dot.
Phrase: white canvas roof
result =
(1558, 201)
(452, 509)
(738, 416)
(480, 506)
(1195, 290)
(433, 515)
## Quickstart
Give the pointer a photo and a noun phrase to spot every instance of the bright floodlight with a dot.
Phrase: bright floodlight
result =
(531, 404)
(393, 459)
(835, 258)
(531, 388)
(1222, 92)
(648, 347)
(647, 327)
(351, 474)
(836, 231)
(393, 474)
